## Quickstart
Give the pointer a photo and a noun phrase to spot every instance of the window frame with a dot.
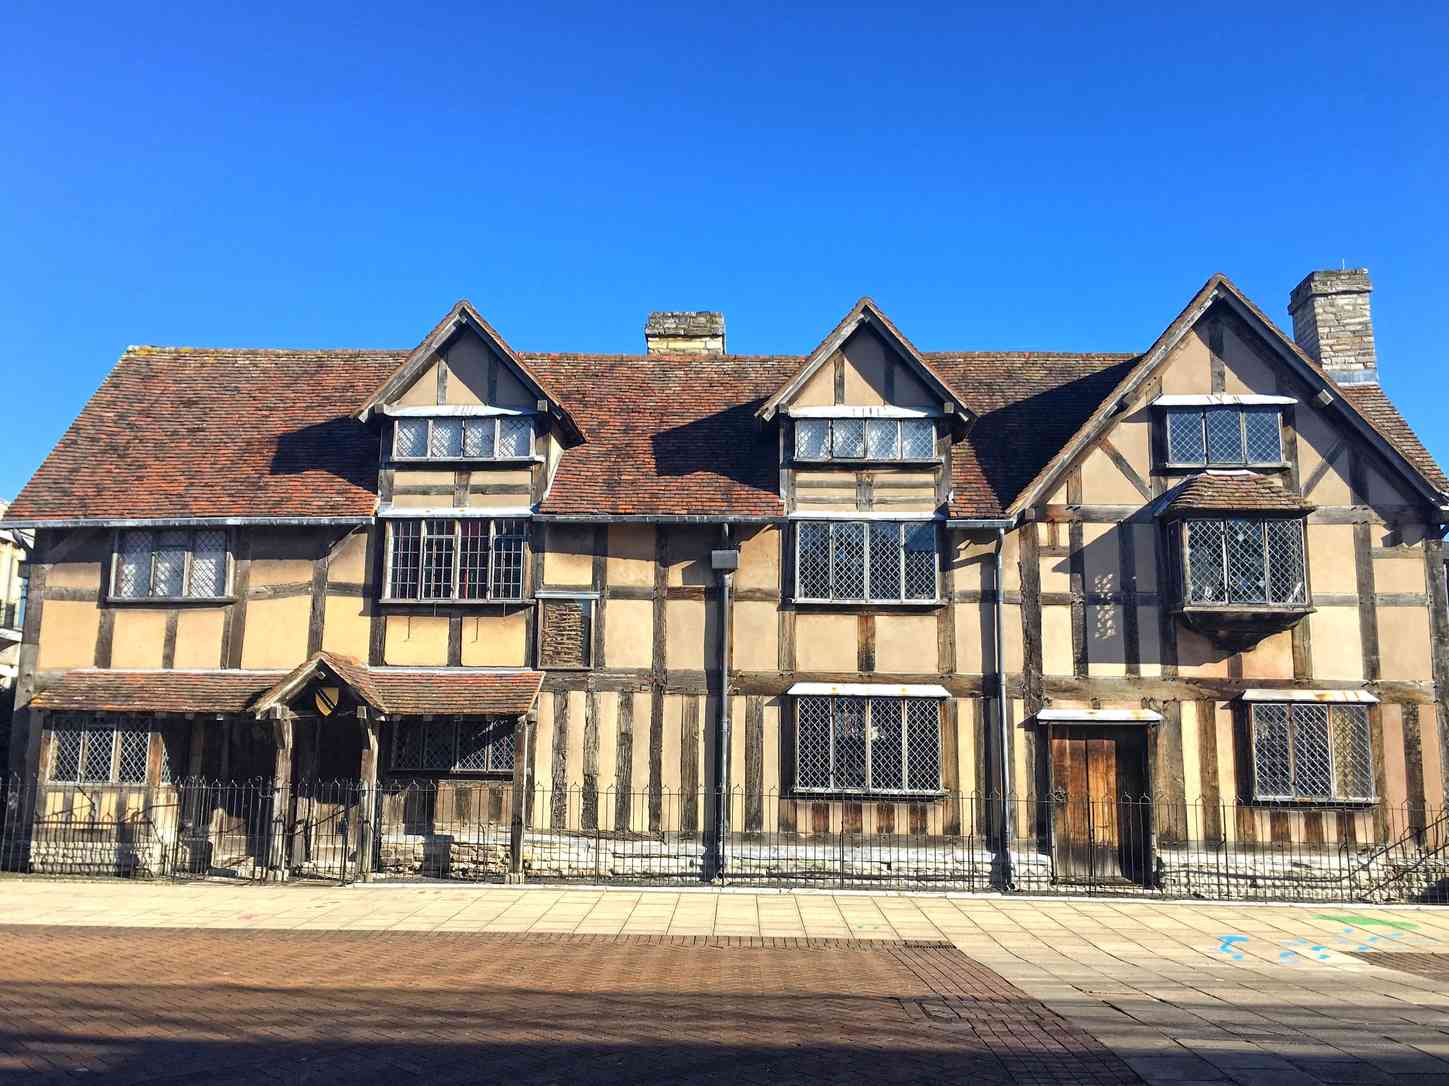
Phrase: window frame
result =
(830, 456)
(228, 561)
(454, 599)
(1297, 796)
(431, 420)
(1242, 411)
(456, 722)
(1183, 543)
(867, 525)
(89, 725)
(869, 727)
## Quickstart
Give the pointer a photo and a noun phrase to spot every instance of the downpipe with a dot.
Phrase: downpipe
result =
(1005, 875)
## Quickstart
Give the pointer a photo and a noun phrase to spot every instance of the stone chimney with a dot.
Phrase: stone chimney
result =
(685, 333)
(1332, 323)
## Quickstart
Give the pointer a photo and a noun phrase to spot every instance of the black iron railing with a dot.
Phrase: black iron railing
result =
(479, 830)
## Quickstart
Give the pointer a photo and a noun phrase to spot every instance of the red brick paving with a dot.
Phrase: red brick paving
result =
(186, 1005)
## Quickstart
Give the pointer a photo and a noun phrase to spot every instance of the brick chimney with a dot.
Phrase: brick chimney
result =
(685, 333)
(1332, 322)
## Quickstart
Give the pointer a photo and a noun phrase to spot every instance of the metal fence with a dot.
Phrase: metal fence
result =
(475, 831)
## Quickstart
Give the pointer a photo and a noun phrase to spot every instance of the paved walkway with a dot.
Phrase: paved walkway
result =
(1182, 992)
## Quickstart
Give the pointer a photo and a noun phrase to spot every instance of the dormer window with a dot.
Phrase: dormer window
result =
(1223, 431)
(494, 437)
(861, 439)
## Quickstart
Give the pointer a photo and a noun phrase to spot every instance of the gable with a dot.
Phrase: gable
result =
(865, 371)
(1221, 344)
(466, 371)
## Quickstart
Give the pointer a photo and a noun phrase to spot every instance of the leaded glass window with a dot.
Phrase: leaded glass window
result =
(462, 559)
(1224, 435)
(99, 750)
(1242, 560)
(177, 563)
(856, 744)
(454, 745)
(856, 561)
(869, 439)
(1312, 751)
(504, 437)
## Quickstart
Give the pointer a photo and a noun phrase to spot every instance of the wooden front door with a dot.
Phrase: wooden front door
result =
(1101, 815)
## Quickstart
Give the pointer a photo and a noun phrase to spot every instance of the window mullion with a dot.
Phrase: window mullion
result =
(865, 585)
(457, 575)
(868, 717)
(830, 577)
(901, 558)
(492, 555)
(1267, 562)
(833, 701)
(186, 562)
(1292, 752)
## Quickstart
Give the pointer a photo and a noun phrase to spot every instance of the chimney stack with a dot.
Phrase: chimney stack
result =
(1333, 323)
(685, 333)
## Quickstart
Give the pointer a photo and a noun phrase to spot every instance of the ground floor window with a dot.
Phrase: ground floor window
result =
(867, 744)
(1311, 751)
(454, 746)
(99, 750)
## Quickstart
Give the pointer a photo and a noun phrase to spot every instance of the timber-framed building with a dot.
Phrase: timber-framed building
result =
(1014, 617)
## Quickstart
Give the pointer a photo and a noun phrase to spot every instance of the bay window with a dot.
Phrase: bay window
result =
(468, 558)
(1245, 561)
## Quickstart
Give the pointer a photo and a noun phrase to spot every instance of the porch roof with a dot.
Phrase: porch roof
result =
(155, 691)
(411, 691)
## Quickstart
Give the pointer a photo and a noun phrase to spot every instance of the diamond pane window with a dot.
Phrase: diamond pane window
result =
(174, 564)
(1312, 751)
(479, 437)
(1287, 582)
(848, 438)
(515, 436)
(851, 744)
(1206, 582)
(847, 561)
(66, 742)
(411, 438)
(885, 561)
(812, 561)
(208, 565)
(1244, 561)
(473, 747)
(812, 439)
(407, 746)
(853, 561)
(882, 439)
(500, 745)
(1184, 436)
(887, 738)
(1262, 436)
(1224, 435)
(133, 743)
(438, 736)
(920, 561)
(97, 761)
(812, 743)
(923, 744)
(918, 439)
(447, 439)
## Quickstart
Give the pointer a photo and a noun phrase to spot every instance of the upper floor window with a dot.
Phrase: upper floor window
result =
(456, 559)
(454, 746)
(867, 744)
(1311, 751)
(860, 562)
(865, 439)
(503, 437)
(172, 563)
(1224, 435)
(1244, 560)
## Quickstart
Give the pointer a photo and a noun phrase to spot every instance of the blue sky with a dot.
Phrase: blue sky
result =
(1043, 176)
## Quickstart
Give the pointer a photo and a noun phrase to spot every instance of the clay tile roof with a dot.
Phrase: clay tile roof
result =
(409, 691)
(1232, 492)
(192, 432)
(92, 690)
(1377, 408)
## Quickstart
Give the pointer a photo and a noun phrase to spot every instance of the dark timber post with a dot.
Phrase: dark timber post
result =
(281, 791)
(724, 561)
(520, 796)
